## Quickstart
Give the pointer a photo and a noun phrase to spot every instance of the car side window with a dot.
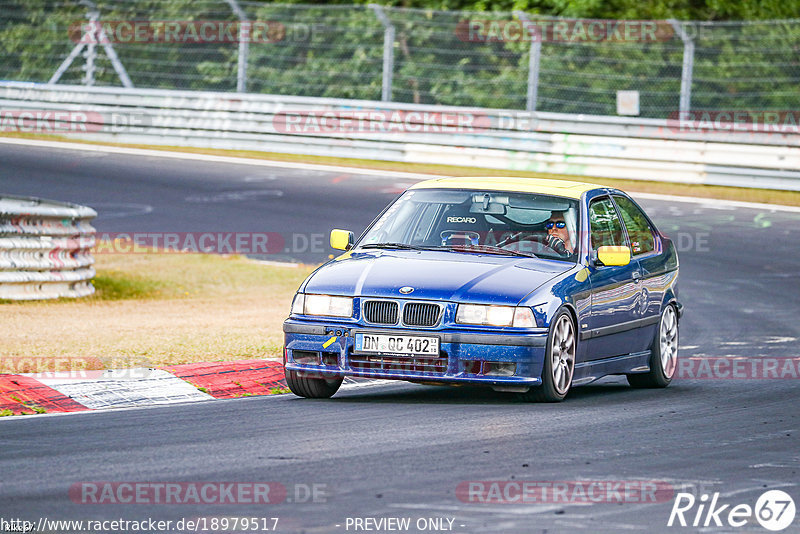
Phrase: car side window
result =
(640, 232)
(604, 224)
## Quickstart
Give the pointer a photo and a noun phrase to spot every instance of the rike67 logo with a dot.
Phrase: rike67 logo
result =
(774, 510)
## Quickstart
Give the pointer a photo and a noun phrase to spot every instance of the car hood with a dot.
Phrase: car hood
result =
(449, 276)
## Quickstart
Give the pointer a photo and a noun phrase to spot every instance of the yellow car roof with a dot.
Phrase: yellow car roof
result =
(544, 186)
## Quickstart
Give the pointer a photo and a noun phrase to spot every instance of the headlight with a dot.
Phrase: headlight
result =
(517, 316)
(298, 304)
(327, 305)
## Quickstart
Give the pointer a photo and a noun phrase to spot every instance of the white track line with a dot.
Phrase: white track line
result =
(211, 158)
(711, 202)
(269, 263)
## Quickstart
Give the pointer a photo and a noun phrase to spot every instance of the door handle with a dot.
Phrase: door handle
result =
(637, 276)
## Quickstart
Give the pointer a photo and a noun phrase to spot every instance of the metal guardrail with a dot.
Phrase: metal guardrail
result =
(580, 145)
(45, 249)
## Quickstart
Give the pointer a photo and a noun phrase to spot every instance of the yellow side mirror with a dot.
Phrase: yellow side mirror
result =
(342, 239)
(614, 255)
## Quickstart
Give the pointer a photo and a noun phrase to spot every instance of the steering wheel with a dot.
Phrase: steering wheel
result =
(461, 237)
(551, 242)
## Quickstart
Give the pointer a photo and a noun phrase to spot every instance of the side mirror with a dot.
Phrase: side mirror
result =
(342, 239)
(615, 255)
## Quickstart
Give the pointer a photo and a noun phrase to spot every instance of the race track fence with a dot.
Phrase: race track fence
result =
(571, 144)
(45, 249)
(509, 60)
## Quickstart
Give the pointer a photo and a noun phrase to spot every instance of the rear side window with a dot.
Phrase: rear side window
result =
(640, 232)
(605, 227)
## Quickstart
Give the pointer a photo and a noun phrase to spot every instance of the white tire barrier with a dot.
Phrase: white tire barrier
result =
(45, 249)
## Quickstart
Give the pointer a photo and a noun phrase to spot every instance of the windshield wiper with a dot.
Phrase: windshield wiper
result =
(400, 246)
(488, 249)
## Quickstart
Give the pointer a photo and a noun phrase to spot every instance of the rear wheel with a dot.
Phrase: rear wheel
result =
(559, 362)
(312, 388)
(663, 355)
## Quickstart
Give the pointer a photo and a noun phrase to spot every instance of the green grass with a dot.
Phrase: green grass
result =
(115, 286)
(27, 404)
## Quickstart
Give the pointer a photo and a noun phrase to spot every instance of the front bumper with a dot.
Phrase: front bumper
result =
(465, 356)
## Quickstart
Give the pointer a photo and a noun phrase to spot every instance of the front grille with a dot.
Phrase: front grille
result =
(380, 311)
(409, 364)
(420, 314)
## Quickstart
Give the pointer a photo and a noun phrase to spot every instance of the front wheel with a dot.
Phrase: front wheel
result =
(663, 355)
(312, 388)
(559, 362)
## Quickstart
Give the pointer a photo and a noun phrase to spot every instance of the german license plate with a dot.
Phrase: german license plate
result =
(392, 344)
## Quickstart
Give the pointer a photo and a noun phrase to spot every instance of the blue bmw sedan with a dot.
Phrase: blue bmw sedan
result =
(529, 286)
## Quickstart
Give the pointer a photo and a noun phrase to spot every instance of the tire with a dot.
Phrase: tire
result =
(559, 362)
(312, 388)
(663, 354)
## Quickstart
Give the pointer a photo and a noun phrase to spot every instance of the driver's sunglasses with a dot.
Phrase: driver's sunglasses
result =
(560, 224)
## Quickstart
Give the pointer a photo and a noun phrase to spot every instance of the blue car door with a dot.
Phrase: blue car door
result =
(646, 249)
(611, 328)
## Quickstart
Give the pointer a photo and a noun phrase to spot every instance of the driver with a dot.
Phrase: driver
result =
(557, 231)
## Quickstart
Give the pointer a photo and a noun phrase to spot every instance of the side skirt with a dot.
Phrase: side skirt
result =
(586, 372)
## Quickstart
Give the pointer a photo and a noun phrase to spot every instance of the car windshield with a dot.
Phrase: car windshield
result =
(474, 221)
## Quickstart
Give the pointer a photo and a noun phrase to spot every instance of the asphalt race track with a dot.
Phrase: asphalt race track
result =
(401, 450)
